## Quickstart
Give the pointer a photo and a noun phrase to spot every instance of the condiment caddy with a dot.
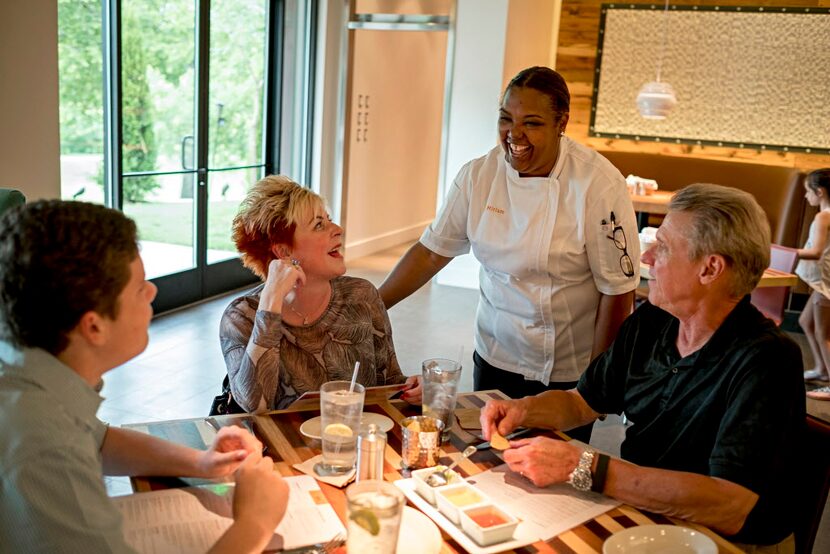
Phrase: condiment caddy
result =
(466, 507)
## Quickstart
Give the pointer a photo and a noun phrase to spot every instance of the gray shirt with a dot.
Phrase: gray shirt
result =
(52, 493)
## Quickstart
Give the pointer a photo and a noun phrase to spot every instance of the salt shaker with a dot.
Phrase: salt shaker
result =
(371, 445)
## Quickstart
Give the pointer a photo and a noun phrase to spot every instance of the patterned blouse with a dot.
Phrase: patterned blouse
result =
(271, 363)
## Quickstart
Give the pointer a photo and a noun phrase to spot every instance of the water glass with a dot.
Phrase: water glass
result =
(440, 382)
(340, 411)
(374, 517)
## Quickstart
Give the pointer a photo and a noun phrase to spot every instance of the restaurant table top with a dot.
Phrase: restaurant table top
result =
(770, 278)
(655, 203)
(819, 409)
(280, 432)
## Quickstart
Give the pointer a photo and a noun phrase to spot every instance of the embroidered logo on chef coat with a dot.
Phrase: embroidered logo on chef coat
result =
(495, 210)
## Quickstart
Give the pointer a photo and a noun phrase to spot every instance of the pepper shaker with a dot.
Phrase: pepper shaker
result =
(371, 445)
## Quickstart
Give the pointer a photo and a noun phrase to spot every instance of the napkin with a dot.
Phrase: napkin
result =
(468, 418)
(338, 481)
(640, 185)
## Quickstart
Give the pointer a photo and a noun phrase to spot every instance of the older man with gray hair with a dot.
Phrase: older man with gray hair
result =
(713, 389)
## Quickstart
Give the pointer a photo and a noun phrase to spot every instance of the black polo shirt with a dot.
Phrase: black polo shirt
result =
(734, 409)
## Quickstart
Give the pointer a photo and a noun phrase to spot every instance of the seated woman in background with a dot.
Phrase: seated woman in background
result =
(307, 323)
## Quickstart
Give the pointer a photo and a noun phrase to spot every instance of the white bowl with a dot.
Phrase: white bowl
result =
(489, 534)
(421, 475)
(659, 538)
(451, 508)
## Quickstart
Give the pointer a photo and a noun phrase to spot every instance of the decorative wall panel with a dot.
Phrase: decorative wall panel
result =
(746, 77)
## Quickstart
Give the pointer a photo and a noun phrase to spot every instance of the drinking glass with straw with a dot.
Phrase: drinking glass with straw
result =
(341, 405)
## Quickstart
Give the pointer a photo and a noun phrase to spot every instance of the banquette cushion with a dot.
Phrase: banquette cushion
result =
(779, 190)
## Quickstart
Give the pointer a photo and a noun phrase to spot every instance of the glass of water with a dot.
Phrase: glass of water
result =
(440, 382)
(340, 411)
(374, 517)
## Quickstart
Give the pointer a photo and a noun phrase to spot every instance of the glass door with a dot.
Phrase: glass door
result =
(189, 115)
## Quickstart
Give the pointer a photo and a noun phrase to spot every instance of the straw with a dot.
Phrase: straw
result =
(354, 376)
(460, 355)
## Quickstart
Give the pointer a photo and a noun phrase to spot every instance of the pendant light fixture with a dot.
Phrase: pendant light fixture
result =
(657, 99)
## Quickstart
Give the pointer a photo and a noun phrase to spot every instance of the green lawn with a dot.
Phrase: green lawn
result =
(172, 223)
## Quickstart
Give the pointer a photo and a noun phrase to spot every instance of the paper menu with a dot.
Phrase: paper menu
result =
(310, 518)
(547, 511)
(192, 519)
(311, 400)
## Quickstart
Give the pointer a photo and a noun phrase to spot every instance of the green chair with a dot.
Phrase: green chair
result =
(10, 198)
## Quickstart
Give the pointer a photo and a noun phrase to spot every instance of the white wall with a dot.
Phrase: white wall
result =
(495, 39)
(327, 144)
(29, 121)
(531, 27)
(478, 63)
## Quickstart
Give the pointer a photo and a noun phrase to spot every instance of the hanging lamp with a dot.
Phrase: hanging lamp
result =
(656, 99)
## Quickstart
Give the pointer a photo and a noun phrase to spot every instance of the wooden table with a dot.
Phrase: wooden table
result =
(279, 431)
(819, 409)
(770, 278)
(655, 203)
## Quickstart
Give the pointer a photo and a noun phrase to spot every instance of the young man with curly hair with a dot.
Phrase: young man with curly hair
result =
(74, 303)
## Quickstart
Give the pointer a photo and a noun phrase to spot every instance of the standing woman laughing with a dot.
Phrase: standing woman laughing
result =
(550, 221)
(307, 323)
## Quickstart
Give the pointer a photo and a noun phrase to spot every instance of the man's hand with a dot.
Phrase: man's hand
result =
(230, 448)
(261, 495)
(542, 460)
(502, 415)
(415, 393)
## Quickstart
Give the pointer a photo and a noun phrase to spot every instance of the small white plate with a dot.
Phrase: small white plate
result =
(657, 539)
(311, 427)
(418, 534)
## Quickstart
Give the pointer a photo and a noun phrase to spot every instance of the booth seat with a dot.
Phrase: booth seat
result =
(779, 190)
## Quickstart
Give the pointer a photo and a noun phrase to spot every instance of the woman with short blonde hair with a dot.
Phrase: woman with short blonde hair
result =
(307, 323)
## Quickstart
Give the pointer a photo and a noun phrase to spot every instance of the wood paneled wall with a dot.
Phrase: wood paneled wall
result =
(576, 57)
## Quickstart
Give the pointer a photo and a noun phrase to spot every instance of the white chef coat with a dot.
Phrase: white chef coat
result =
(546, 254)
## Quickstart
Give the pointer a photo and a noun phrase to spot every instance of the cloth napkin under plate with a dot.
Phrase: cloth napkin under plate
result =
(338, 481)
(468, 418)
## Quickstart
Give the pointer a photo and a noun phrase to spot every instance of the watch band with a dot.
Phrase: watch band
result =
(598, 481)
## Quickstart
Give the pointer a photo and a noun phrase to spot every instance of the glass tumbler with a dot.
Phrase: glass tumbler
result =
(340, 411)
(374, 511)
(440, 382)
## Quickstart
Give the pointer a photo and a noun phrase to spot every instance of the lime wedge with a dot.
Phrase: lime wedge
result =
(366, 519)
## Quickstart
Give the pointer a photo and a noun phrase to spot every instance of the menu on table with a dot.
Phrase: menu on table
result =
(192, 519)
(311, 400)
(546, 511)
(543, 513)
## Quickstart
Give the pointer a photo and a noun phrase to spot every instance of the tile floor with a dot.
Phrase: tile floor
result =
(182, 368)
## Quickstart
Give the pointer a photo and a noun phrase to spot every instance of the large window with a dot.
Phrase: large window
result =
(81, 70)
(169, 111)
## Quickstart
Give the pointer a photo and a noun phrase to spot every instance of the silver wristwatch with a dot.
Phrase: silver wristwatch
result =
(581, 478)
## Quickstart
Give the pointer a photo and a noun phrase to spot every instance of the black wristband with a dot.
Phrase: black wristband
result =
(598, 480)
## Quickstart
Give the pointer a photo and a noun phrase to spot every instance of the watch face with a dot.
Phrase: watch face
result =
(581, 477)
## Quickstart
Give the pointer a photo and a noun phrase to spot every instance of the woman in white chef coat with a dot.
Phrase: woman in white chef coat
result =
(553, 226)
